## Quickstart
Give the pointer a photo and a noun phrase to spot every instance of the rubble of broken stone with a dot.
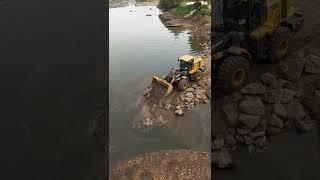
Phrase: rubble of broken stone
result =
(156, 110)
(288, 97)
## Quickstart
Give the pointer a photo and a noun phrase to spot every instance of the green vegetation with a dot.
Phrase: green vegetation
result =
(180, 7)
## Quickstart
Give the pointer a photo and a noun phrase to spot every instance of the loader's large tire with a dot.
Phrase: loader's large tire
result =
(279, 44)
(232, 73)
(183, 84)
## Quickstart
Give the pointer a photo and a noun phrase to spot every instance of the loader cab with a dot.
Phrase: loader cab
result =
(186, 62)
(244, 15)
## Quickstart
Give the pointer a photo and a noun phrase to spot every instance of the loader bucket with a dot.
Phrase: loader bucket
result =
(161, 87)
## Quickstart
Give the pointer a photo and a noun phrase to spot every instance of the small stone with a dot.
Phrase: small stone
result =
(282, 96)
(312, 64)
(239, 139)
(231, 131)
(251, 148)
(229, 140)
(182, 97)
(294, 72)
(253, 106)
(190, 90)
(247, 139)
(189, 95)
(168, 106)
(218, 143)
(260, 141)
(249, 120)
(276, 121)
(199, 91)
(242, 131)
(269, 80)
(254, 89)
(147, 122)
(201, 84)
(297, 110)
(194, 86)
(271, 131)
(279, 110)
(236, 97)
(284, 84)
(178, 107)
(179, 112)
(206, 101)
(168, 101)
(187, 99)
(303, 127)
(231, 111)
(154, 107)
(221, 159)
(255, 135)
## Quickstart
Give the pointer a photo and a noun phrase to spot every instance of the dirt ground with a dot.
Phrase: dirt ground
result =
(165, 165)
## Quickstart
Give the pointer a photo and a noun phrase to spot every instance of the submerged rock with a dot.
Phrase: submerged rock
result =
(179, 112)
(168, 106)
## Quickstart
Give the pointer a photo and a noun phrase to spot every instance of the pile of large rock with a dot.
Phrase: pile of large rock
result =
(272, 105)
(156, 110)
(199, 92)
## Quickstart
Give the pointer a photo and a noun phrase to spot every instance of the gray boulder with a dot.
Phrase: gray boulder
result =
(279, 110)
(291, 69)
(276, 121)
(253, 106)
(250, 121)
(282, 96)
(231, 111)
(296, 111)
(312, 64)
(254, 89)
(270, 80)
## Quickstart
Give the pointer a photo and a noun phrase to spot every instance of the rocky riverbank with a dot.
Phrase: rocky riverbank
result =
(287, 97)
(198, 26)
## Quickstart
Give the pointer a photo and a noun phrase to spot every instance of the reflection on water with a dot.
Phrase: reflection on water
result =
(141, 46)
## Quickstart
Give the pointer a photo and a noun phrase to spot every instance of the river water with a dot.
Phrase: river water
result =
(141, 46)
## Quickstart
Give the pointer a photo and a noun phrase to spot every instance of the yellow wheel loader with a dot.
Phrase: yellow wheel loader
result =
(247, 30)
(190, 68)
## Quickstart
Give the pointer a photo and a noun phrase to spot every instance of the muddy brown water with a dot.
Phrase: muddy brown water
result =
(141, 46)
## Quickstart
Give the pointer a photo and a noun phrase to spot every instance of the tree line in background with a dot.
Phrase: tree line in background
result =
(170, 4)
